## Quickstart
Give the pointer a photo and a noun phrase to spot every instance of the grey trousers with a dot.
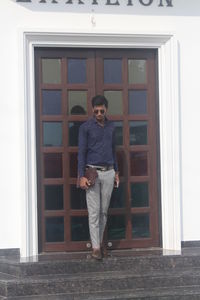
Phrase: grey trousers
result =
(98, 200)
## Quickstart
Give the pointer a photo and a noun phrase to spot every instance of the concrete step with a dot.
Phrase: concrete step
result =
(98, 282)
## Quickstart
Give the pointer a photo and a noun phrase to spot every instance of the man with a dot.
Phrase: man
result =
(96, 150)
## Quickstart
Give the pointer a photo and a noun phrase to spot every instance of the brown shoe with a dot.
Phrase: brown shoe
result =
(96, 254)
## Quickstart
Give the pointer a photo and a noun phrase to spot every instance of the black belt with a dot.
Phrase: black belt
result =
(100, 168)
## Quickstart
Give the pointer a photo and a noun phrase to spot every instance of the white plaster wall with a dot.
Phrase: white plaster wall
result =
(183, 21)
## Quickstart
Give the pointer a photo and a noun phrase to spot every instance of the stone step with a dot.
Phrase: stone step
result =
(177, 293)
(74, 266)
(99, 282)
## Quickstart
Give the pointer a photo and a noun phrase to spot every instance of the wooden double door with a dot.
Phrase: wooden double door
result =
(66, 80)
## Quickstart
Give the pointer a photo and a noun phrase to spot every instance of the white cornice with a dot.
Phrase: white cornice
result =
(119, 40)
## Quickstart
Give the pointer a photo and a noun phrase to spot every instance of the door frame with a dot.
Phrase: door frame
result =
(169, 125)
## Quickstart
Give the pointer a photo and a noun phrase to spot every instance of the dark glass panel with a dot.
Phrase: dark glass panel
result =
(138, 163)
(137, 71)
(118, 133)
(120, 161)
(137, 102)
(53, 197)
(138, 132)
(53, 165)
(140, 226)
(77, 102)
(115, 101)
(52, 134)
(116, 227)
(51, 70)
(118, 197)
(77, 198)
(112, 71)
(51, 102)
(73, 159)
(80, 229)
(76, 70)
(54, 229)
(139, 194)
(73, 132)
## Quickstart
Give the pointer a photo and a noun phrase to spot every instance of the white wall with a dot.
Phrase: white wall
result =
(181, 20)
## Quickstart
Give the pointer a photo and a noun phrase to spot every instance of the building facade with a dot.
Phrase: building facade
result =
(56, 55)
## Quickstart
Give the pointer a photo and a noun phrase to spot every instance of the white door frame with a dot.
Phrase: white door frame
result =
(169, 117)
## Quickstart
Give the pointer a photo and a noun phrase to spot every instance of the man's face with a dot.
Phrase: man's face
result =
(99, 112)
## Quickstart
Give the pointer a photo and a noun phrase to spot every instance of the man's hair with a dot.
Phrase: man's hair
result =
(99, 100)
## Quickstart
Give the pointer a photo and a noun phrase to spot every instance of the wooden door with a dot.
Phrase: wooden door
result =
(66, 80)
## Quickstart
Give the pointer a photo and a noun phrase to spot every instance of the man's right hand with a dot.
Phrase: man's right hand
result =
(84, 183)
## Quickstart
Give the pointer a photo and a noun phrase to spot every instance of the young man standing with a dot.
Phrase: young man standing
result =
(97, 150)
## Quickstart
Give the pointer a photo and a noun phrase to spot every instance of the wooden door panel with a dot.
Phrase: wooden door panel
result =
(139, 152)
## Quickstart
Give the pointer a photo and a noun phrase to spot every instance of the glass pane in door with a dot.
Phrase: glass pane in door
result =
(73, 132)
(54, 197)
(53, 167)
(115, 102)
(77, 198)
(118, 133)
(77, 102)
(51, 70)
(140, 226)
(112, 71)
(137, 71)
(118, 198)
(76, 70)
(52, 134)
(138, 132)
(73, 164)
(139, 194)
(54, 229)
(79, 229)
(116, 227)
(137, 102)
(51, 102)
(138, 163)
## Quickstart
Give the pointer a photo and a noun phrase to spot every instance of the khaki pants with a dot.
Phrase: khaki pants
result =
(98, 200)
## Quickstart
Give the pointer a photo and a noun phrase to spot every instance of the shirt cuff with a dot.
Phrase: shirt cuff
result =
(81, 173)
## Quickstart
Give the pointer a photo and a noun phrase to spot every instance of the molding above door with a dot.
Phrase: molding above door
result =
(169, 120)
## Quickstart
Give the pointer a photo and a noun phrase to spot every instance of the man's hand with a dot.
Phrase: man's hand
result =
(116, 180)
(84, 183)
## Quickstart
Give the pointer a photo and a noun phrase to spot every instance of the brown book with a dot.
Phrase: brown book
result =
(91, 174)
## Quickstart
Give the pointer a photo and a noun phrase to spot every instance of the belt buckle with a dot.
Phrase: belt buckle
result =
(103, 169)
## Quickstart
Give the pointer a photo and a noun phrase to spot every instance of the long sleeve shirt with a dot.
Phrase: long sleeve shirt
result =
(96, 145)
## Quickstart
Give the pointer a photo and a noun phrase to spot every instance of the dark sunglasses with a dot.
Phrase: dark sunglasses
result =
(96, 111)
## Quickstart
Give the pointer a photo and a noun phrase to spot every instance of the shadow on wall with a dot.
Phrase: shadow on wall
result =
(130, 7)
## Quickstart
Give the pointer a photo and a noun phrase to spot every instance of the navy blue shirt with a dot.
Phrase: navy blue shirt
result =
(96, 145)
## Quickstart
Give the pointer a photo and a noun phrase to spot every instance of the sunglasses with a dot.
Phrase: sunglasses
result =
(101, 111)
